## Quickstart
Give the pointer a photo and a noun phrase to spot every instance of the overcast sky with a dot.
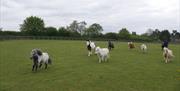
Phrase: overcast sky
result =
(135, 15)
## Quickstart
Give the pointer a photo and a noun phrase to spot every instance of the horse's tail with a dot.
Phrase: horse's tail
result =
(49, 61)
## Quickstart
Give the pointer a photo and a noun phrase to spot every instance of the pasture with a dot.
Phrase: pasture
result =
(73, 70)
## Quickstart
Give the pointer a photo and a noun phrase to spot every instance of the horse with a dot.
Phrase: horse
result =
(90, 47)
(110, 45)
(164, 44)
(131, 45)
(102, 53)
(39, 58)
(143, 48)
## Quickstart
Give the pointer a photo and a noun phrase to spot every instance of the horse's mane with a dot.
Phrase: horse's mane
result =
(39, 52)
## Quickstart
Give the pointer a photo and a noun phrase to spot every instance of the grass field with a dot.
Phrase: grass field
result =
(73, 70)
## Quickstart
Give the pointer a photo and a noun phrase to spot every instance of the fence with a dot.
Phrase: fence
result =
(70, 38)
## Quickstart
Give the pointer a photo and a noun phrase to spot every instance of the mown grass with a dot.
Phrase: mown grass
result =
(73, 70)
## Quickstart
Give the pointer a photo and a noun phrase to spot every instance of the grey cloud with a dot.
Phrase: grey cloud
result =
(135, 15)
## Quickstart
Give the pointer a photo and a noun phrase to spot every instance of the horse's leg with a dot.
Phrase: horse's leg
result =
(36, 66)
(89, 53)
(45, 65)
(33, 67)
(166, 60)
(40, 65)
(110, 48)
(99, 58)
(107, 58)
(49, 61)
(104, 58)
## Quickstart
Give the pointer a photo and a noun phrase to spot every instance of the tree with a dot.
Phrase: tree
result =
(178, 35)
(152, 34)
(14, 33)
(73, 27)
(155, 34)
(74, 34)
(174, 32)
(149, 32)
(111, 35)
(63, 32)
(165, 35)
(32, 25)
(94, 30)
(1, 32)
(51, 31)
(82, 27)
(175, 35)
(124, 33)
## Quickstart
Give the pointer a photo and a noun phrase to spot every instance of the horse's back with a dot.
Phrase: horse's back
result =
(44, 57)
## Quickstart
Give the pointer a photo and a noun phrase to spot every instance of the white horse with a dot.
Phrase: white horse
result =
(102, 53)
(38, 58)
(143, 48)
(168, 54)
(90, 46)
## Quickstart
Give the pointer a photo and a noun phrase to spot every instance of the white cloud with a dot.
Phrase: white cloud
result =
(135, 15)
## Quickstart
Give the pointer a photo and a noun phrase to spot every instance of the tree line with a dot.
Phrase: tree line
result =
(35, 26)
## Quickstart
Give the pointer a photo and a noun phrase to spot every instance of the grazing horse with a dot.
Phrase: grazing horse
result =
(39, 58)
(131, 45)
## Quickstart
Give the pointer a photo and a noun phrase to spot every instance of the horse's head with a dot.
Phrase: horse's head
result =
(35, 52)
(97, 50)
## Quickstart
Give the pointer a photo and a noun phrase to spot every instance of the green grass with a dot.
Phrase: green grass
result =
(73, 70)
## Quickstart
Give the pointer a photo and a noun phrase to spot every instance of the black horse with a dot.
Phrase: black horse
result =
(110, 45)
(164, 44)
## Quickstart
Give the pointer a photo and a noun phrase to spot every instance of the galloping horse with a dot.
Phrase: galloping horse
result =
(39, 58)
